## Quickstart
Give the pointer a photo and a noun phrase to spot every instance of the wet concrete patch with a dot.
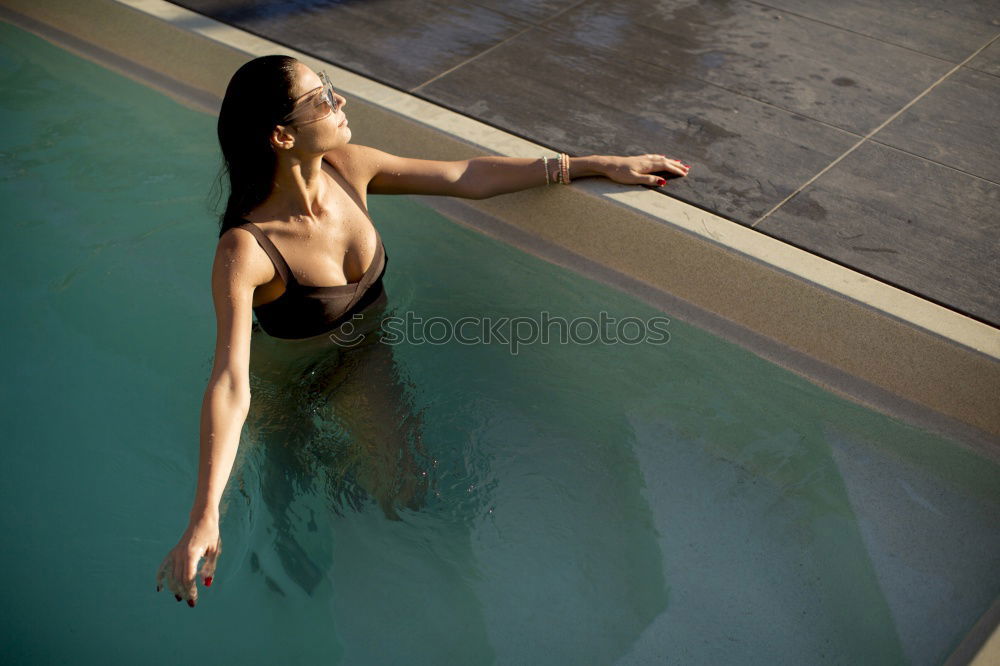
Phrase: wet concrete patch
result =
(397, 42)
(745, 156)
(948, 29)
(534, 11)
(823, 72)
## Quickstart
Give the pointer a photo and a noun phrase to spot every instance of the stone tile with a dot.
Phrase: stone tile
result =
(957, 123)
(989, 60)
(398, 42)
(532, 11)
(826, 73)
(745, 156)
(907, 221)
(949, 29)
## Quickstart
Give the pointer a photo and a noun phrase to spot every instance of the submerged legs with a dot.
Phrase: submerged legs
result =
(366, 396)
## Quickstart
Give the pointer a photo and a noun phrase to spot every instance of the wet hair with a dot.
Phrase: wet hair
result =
(257, 98)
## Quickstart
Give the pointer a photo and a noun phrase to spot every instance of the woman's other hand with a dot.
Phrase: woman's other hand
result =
(640, 169)
(201, 539)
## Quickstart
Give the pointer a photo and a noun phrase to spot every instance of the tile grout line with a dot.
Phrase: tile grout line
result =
(979, 71)
(531, 26)
(763, 3)
(874, 132)
(563, 11)
(940, 164)
(466, 62)
(757, 100)
(538, 23)
(606, 55)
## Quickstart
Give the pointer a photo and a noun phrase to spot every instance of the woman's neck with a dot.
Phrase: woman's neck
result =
(298, 187)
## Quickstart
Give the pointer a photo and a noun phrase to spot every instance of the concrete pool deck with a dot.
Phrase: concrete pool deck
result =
(795, 301)
(864, 132)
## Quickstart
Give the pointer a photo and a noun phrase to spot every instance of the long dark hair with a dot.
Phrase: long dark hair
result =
(257, 98)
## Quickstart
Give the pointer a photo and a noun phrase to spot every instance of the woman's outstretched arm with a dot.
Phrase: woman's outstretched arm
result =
(224, 409)
(483, 177)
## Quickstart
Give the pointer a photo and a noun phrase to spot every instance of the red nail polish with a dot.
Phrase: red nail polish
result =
(661, 182)
(191, 603)
(177, 597)
(208, 582)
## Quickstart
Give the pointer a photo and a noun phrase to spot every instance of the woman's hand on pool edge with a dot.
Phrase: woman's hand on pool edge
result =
(639, 169)
(201, 539)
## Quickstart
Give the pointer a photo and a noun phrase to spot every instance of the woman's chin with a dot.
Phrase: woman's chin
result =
(341, 139)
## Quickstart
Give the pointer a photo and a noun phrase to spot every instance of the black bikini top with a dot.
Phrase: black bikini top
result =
(304, 311)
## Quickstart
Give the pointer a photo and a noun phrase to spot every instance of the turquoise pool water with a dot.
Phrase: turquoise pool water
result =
(585, 504)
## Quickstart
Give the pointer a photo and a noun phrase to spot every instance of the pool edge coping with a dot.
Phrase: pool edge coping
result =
(980, 644)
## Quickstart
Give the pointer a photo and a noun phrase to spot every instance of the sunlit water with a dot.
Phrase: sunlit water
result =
(425, 503)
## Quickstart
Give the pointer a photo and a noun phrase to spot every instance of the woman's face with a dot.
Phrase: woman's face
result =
(316, 128)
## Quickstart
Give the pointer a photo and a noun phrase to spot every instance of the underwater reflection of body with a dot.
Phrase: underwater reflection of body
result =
(333, 420)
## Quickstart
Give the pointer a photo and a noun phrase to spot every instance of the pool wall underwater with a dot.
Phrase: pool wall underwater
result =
(847, 332)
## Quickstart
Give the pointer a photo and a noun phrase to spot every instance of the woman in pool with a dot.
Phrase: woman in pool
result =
(298, 183)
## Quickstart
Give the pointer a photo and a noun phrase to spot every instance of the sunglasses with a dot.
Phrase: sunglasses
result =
(319, 106)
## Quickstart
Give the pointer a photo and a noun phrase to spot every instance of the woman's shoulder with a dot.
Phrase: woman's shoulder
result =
(240, 243)
(240, 253)
(356, 163)
(353, 151)
(356, 159)
(237, 241)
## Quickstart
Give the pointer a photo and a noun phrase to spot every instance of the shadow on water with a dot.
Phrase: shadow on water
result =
(337, 422)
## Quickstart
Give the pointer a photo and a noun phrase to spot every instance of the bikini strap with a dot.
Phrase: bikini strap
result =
(272, 251)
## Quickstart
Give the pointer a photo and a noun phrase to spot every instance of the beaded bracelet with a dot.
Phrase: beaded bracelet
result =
(564, 168)
(545, 165)
(557, 173)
